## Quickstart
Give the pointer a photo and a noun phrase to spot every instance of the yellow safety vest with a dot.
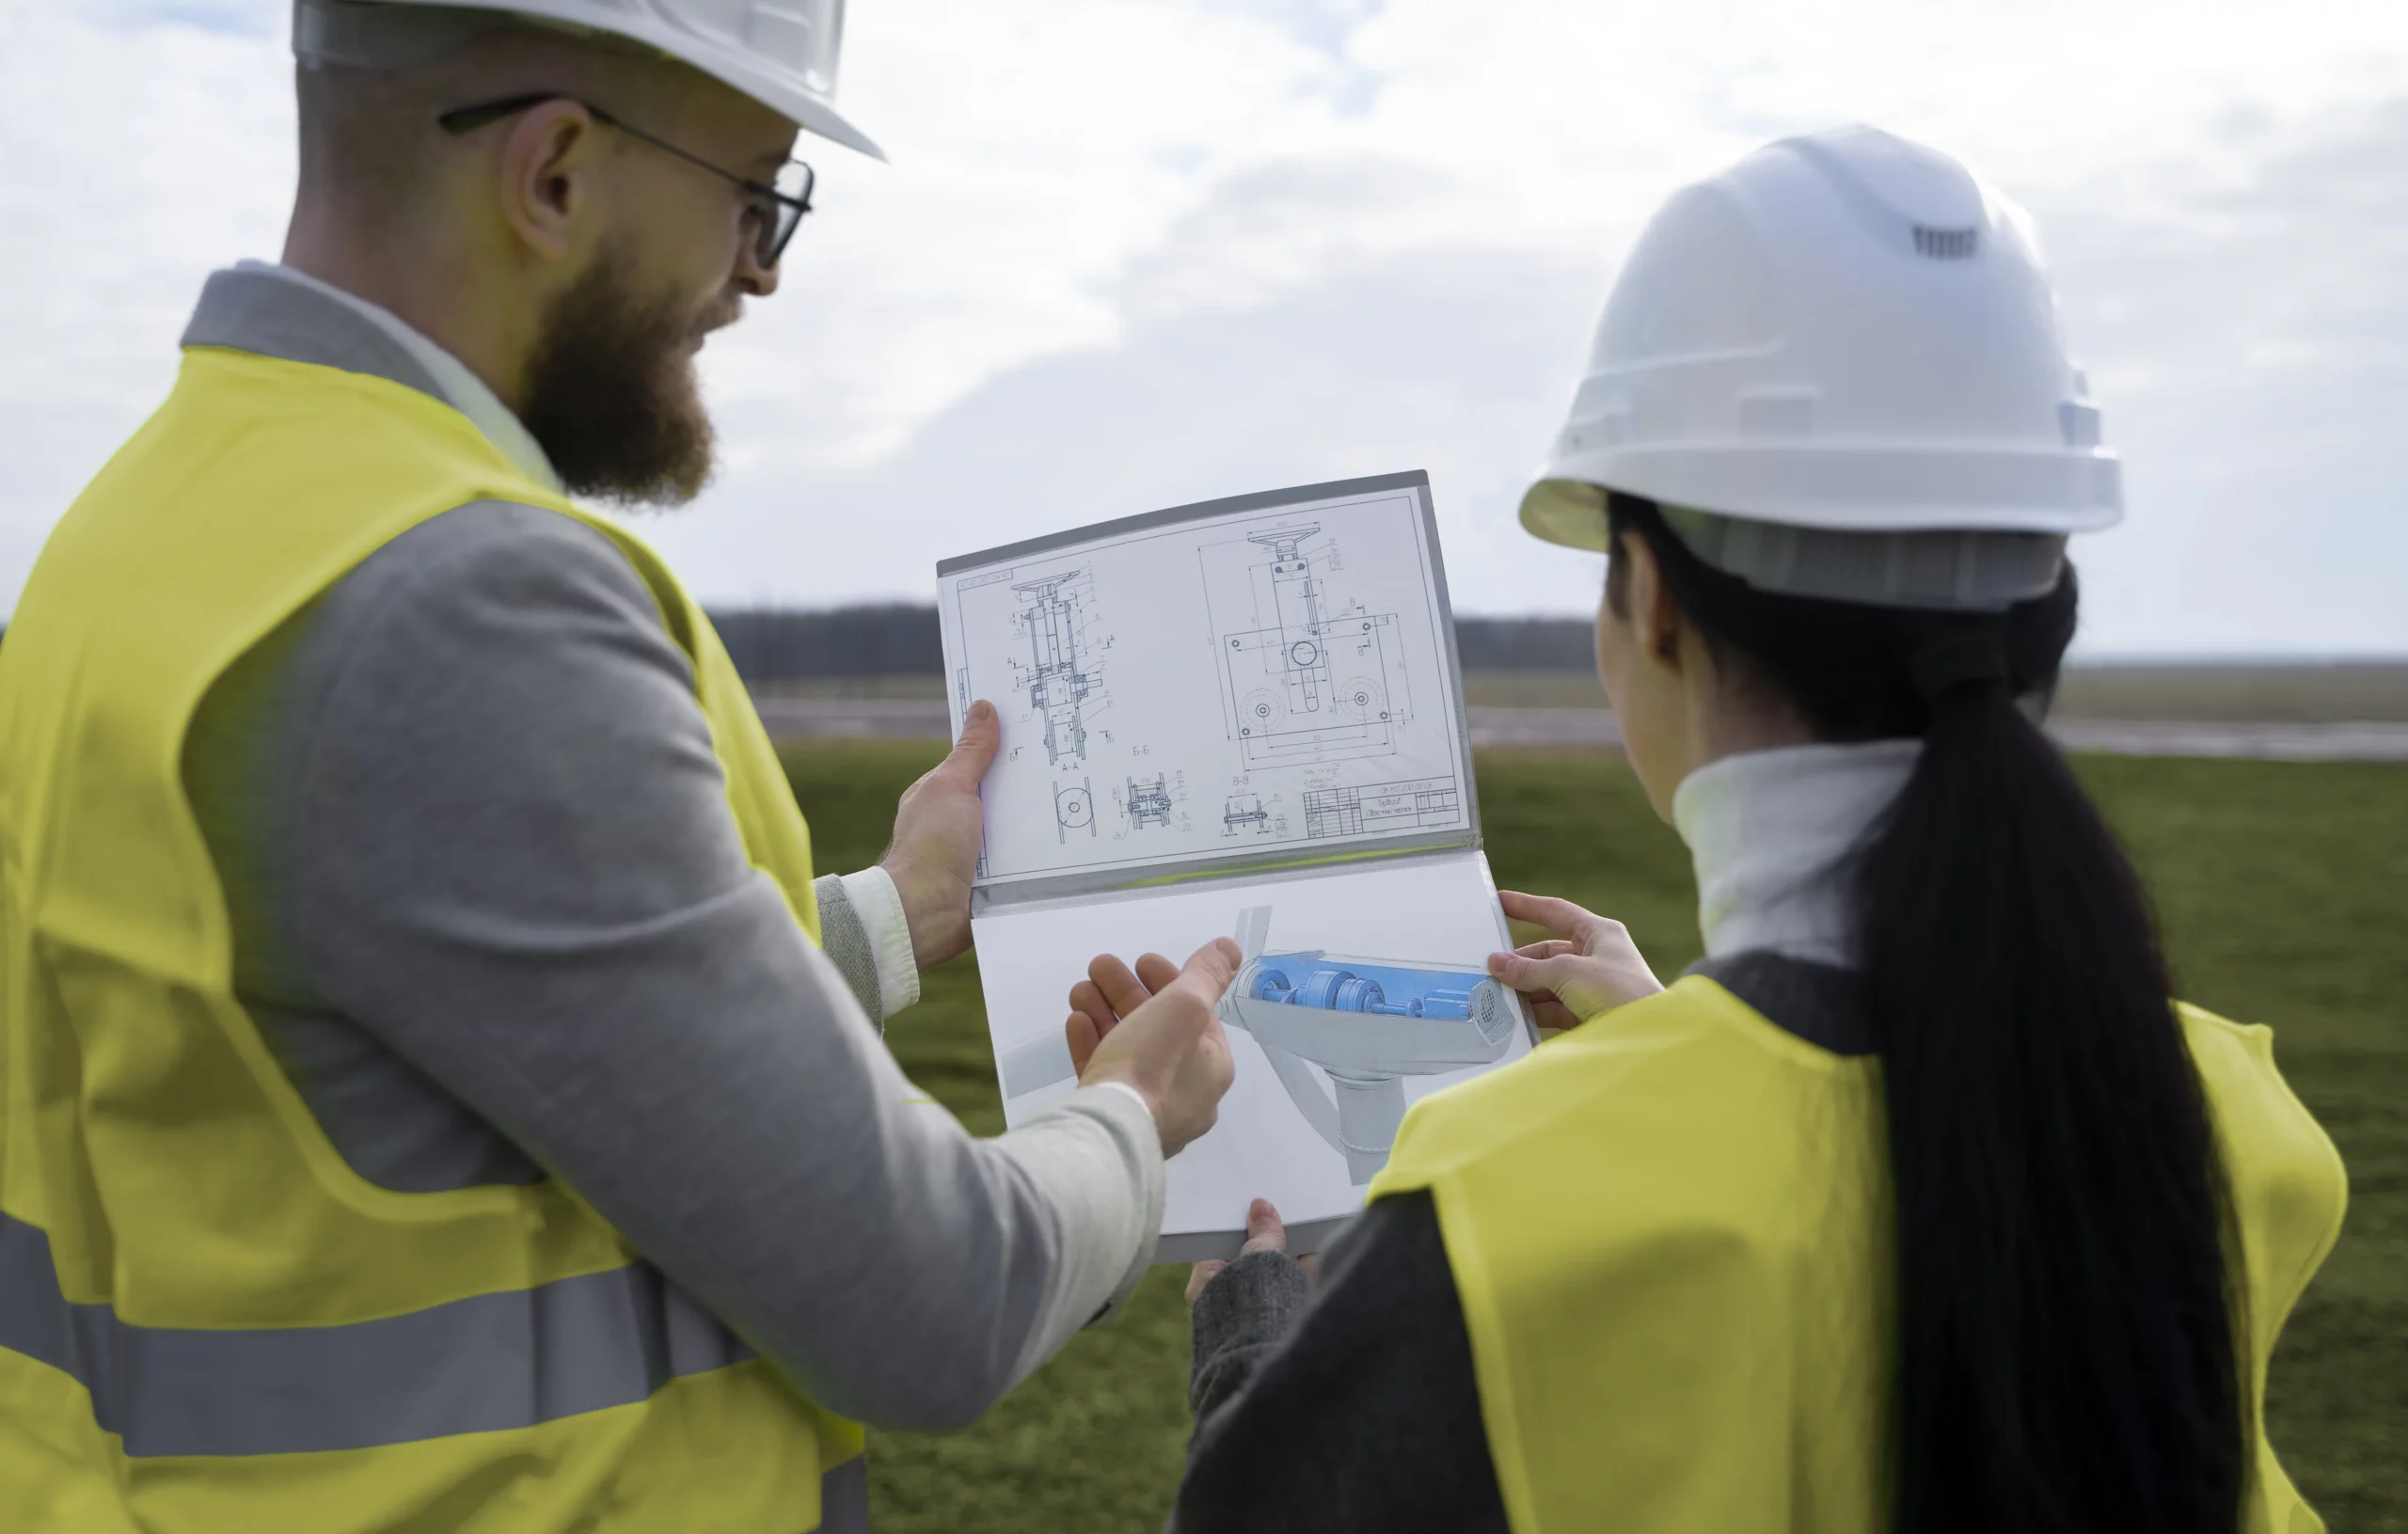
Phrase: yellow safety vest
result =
(1671, 1230)
(207, 1321)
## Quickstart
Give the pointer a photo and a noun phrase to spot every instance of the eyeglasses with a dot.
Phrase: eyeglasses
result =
(773, 214)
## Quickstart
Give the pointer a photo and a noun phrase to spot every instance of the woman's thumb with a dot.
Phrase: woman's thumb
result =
(1529, 974)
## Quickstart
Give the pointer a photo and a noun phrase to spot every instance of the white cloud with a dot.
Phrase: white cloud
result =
(2246, 322)
(1134, 252)
(140, 152)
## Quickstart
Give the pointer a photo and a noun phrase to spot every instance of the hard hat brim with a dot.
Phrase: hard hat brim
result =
(782, 91)
(792, 103)
(1568, 511)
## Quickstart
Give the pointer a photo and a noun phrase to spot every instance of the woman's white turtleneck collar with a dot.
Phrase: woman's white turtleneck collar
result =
(1769, 832)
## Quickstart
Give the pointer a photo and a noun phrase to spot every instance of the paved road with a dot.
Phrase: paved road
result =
(799, 718)
(914, 719)
(2272, 742)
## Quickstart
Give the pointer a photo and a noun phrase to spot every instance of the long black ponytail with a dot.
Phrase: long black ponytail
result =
(2068, 1354)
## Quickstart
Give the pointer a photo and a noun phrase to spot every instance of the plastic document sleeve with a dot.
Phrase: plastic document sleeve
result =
(1240, 719)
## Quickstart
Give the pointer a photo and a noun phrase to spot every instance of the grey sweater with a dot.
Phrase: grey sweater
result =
(492, 916)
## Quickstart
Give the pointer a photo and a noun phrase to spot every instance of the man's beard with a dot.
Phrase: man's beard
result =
(611, 395)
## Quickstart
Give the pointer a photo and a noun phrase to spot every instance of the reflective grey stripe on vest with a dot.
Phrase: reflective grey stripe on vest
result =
(492, 1361)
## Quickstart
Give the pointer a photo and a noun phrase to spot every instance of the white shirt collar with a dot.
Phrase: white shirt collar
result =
(462, 390)
(1771, 832)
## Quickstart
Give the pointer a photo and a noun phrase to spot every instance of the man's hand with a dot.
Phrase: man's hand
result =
(1158, 1029)
(935, 849)
(1590, 966)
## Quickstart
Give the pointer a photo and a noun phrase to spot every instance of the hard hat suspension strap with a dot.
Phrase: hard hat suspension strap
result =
(1942, 569)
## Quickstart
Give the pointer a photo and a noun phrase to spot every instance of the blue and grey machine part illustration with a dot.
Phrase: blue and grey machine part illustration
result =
(1367, 1023)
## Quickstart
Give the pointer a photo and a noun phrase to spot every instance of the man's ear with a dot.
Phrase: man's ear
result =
(545, 176)
(1655, 618)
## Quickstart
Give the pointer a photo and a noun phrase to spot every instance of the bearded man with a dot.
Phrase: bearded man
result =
(437, 1093)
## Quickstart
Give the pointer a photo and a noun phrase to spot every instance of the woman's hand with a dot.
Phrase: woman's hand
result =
(1265, 1232)
(1589, 966)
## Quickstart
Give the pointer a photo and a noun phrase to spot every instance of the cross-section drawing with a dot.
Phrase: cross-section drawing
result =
(1058, 676)
(1149, 803)
(1306, 677)
(1244, 812)
(1073, 809)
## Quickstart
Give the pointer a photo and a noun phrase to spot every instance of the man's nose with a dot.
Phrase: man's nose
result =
(751, 275)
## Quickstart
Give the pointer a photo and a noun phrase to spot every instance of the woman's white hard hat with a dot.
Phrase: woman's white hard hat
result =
(1838, 366)
(781, 52)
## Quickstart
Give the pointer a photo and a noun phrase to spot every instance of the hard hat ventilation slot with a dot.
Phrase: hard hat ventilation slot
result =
(2078, 422)
(1946, 245)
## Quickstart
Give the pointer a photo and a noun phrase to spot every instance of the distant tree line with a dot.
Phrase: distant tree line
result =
(1526, 644)
(779, 645)
(898, 639)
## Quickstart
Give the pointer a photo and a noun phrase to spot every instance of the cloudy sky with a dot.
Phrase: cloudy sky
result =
(1131, 253)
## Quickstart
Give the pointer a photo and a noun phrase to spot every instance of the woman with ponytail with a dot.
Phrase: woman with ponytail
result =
(1920, 1203)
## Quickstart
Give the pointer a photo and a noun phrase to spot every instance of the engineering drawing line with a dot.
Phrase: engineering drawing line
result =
(1150, 802)
(1284, 698)
(1368, 1023)
(1057, 686)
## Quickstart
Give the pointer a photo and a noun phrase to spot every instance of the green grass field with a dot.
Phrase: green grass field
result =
(2281, 890)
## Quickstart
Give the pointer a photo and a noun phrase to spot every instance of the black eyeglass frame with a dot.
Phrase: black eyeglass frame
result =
(780, 217)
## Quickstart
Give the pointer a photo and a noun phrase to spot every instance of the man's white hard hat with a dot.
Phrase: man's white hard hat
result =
(1838, 366)
(781, 52)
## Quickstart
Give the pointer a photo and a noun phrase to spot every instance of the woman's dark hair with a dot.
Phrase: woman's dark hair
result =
(2067, 1325)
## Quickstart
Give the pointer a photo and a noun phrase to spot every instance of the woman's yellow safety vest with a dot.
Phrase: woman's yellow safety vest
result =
(1671, 1230)
(207, 1321)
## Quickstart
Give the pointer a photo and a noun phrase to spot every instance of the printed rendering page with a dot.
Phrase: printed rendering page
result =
(1274, 680)
(1362, 992)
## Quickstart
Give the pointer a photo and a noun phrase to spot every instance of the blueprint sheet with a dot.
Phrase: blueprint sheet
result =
(1267, 677)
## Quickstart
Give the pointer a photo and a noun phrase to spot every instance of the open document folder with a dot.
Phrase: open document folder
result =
(1240, 719)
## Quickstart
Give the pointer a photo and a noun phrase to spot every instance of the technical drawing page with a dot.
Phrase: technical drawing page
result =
(1362, 992)
(1269, 683)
